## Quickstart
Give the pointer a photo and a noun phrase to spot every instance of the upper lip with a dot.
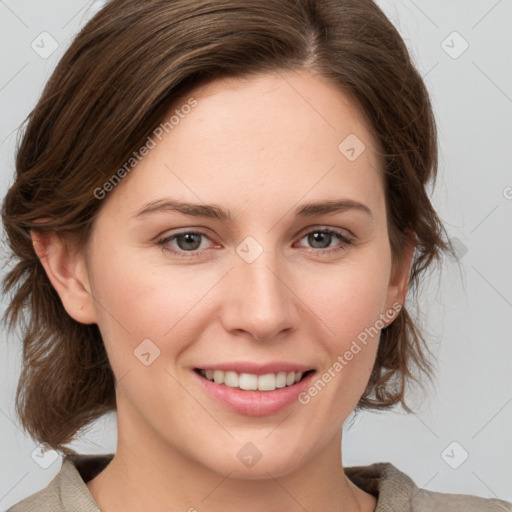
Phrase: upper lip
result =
(257, 369)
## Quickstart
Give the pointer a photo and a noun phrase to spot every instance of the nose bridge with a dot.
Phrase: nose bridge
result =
(261, 302)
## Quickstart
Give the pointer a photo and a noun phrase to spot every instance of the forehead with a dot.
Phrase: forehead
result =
(255, 140)
(276, 112)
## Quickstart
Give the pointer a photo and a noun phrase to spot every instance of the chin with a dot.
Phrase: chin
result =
(251, 464)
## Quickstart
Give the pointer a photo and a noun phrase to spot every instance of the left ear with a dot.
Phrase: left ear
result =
(400, 273)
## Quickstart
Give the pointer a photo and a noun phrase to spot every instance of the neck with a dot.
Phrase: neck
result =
(147, 473)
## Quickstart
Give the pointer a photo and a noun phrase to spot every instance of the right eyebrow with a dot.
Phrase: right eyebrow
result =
(195, 210)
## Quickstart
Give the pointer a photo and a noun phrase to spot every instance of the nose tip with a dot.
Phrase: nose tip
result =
(258, 301)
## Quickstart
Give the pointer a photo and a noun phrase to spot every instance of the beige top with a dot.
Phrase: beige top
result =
(394, 490)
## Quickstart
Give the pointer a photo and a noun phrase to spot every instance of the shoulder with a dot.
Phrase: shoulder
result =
(397, 492)
(45, 500)
(67, 492)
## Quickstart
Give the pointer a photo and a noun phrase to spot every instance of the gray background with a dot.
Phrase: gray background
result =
(466, 309)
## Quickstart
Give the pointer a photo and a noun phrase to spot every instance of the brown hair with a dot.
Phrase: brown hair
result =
(110, 90)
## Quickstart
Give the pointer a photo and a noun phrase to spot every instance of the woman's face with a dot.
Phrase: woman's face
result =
(273, 283)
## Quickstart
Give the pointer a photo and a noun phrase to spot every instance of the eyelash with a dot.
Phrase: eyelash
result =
(163, 243)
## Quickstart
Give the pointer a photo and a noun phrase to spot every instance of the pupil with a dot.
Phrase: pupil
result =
(189, 239)
(320, 236)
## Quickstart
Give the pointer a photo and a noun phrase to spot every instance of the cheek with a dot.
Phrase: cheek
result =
(351, 299)
(137, 300)
(350, 303)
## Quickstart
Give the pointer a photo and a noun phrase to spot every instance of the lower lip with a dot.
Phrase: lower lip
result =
(255, 403)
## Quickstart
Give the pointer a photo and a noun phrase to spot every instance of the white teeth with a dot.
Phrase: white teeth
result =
(251, 382)
(248, 381)
(267, 382)
(218, 377)
(281, 380)
(231, 379)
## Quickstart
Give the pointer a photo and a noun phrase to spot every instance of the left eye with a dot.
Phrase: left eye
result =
(321, 239)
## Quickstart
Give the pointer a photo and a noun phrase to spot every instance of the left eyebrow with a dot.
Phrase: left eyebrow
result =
(216, 212)
(326, 207)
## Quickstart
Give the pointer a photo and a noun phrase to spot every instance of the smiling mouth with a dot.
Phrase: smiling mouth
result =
(252, 382)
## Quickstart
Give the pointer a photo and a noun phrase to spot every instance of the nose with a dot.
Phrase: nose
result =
(259, 299)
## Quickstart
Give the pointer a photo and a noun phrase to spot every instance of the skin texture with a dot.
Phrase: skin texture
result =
(259, 147)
